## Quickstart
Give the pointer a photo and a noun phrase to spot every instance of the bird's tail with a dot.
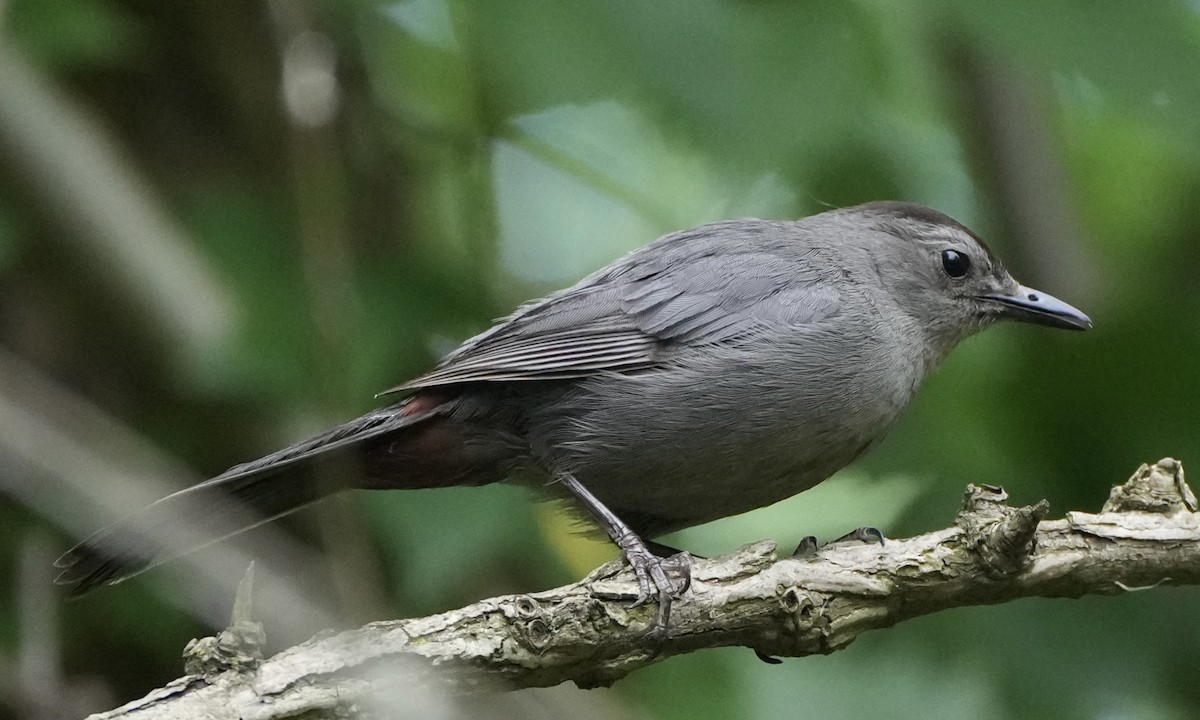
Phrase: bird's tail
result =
(239, 499)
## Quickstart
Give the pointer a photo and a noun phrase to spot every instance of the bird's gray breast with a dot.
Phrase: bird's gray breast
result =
(724, 428)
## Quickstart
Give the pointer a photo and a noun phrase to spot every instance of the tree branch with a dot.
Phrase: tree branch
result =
(1147, 534)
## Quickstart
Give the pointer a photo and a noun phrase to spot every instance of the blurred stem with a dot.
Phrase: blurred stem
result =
(38, 663)
(1029, 174)
(320, 220)
(86, 185)
(310, 93)
(453, 199)
(1020, 162)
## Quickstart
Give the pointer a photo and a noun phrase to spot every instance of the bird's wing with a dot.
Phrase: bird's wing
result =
(579, 331)
(727, 294)
(702, 286)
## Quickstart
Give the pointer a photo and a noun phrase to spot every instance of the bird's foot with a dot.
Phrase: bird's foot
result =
(808, 546)
(654, 574)
(661, 579)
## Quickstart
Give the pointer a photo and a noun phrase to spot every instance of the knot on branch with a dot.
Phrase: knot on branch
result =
(526, 616)
(237, 647)
(1158, 488)
(1001, 536)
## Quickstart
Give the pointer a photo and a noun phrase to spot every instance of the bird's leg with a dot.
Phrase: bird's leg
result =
(648, 568)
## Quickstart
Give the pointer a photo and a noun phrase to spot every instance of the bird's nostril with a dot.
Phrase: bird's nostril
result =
(1033, 297)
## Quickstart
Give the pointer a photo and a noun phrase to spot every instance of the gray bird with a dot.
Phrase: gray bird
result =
(715, 371)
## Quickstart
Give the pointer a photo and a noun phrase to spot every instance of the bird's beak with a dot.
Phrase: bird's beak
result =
(1029, 305)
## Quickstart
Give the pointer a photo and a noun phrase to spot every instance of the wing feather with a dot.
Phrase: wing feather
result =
(718, 283)
(553, 356)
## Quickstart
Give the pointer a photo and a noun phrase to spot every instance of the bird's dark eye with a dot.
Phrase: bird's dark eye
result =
(955, 263)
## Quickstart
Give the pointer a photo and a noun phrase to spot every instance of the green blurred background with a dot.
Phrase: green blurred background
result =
(227, 224)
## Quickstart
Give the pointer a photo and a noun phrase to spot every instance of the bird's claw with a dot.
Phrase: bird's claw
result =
(809, 546)
(862, 534)
(655, 581)
(650, 570)
(768, 659)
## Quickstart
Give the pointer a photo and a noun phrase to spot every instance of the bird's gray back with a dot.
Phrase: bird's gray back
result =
(712, 284)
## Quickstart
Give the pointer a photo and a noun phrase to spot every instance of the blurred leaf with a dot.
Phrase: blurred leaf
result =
(74, 34)
(760, 87)
(1149, 66)
(582, 547)
(426, 20)
(1134, 179)
(870, 679)
(831, 509)
(245, 235)
(577, 186)
(438, 542)
(419, 71)
(698, 685)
